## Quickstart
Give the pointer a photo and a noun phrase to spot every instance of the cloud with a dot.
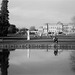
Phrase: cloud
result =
(40, 11)
(25, 13)
(22, 17)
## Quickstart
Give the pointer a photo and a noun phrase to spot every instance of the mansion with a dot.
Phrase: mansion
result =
(56, 28)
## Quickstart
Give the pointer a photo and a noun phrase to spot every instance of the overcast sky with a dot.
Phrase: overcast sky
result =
(26, 13)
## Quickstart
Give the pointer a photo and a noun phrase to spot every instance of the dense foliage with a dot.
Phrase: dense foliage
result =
(4, 18)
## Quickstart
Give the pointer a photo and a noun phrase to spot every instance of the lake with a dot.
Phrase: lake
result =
(52, 61)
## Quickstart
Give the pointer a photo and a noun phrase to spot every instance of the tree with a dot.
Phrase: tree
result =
(4, 18)
(73, 23)
(23, 31)
(32, 28)
(12, 29)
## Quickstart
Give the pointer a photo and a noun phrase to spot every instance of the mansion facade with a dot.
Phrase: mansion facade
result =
(56, 28)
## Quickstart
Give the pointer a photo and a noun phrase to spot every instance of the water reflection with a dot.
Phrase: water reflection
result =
(28, 53)
(40, 62)
(4, 64)
(35, 61)
(55, 49)
(72, 57)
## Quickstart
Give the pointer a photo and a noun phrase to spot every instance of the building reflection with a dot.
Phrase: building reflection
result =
(4, 61)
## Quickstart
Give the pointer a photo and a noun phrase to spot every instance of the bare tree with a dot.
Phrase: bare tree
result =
(73, 19)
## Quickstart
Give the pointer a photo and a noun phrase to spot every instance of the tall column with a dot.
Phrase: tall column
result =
(28, 35)
(47, 28)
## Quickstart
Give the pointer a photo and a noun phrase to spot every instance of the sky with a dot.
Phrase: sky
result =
(26, 13)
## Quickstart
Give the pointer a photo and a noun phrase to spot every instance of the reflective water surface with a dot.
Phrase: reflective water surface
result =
(52, 61)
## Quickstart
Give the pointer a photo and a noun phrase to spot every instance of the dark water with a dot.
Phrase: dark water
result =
(54, 61)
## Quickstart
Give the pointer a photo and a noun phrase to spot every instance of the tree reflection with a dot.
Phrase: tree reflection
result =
(4, 64)
(55, 49)
(73, 60)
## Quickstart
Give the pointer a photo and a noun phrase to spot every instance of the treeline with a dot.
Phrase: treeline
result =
(5, 26)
